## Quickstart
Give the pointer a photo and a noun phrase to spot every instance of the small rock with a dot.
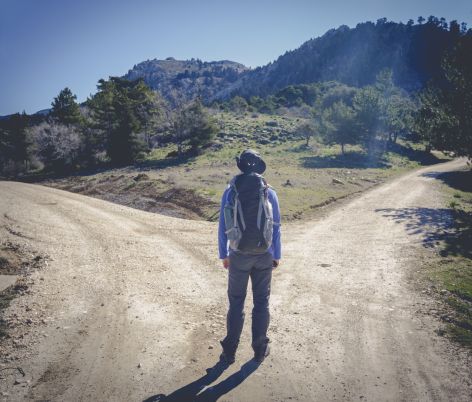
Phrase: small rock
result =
(288, 183)
(337, 181)
(139, 365)
(210, 347)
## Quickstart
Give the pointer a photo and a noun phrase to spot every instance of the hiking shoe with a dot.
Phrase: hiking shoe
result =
(262, 353)
(228, 358)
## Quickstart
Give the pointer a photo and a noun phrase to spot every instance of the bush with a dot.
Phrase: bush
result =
(57, 145)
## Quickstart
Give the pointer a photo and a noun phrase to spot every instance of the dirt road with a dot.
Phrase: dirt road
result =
(134, 304)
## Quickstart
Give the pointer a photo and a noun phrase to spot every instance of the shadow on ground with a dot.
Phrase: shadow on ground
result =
(459, 180)
(422, 157)
(363, 160)
(350, 160)
(144, 165)
(164, 163)
(436, 225)
(193, 391)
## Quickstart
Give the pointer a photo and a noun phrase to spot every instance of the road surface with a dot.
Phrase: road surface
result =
(134, 304)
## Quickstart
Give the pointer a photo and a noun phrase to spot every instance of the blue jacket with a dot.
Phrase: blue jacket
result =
(275, 248)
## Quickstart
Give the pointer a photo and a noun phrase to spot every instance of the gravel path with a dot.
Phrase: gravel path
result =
(134, 303)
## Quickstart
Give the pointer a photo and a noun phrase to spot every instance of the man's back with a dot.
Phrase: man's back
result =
(242, 265)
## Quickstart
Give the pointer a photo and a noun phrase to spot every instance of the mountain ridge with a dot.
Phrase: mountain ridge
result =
(353, 56)
(180, 81)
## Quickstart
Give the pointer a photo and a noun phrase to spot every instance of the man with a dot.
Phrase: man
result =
(252, 222)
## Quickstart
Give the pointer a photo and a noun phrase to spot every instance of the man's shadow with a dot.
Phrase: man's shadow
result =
(190, 392)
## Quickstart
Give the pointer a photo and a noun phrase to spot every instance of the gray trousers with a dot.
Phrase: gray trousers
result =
(241, 267)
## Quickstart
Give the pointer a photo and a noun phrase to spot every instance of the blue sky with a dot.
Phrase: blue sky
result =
(46, 45)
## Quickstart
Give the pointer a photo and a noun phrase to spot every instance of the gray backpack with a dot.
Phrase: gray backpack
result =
(248, 214)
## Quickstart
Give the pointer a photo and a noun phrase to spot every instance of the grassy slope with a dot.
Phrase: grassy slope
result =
(310, 171)
(450, 270)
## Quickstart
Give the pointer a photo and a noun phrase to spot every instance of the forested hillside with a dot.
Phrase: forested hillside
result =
(355, 56)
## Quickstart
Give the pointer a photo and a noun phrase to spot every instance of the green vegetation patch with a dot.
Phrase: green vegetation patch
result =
(304, 176)
(452, 273)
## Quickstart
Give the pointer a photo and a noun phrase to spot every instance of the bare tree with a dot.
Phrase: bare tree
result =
(57, 145)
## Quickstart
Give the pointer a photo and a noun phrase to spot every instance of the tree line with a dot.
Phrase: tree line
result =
(116, 126)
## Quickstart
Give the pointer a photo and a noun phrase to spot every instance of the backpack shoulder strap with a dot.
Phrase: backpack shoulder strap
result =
(263, 197)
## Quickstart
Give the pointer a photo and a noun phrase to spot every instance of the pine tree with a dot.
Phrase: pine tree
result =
(194, 127)
(121, 109)
(15, 142)
(65, 109)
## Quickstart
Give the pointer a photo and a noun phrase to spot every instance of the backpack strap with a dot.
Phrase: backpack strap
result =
(267, 187)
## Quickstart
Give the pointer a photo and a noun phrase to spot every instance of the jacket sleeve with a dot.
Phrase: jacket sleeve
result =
(276, 243)
(222, 237)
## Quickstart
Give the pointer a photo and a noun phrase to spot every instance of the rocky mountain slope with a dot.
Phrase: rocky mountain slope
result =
(180, 81)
